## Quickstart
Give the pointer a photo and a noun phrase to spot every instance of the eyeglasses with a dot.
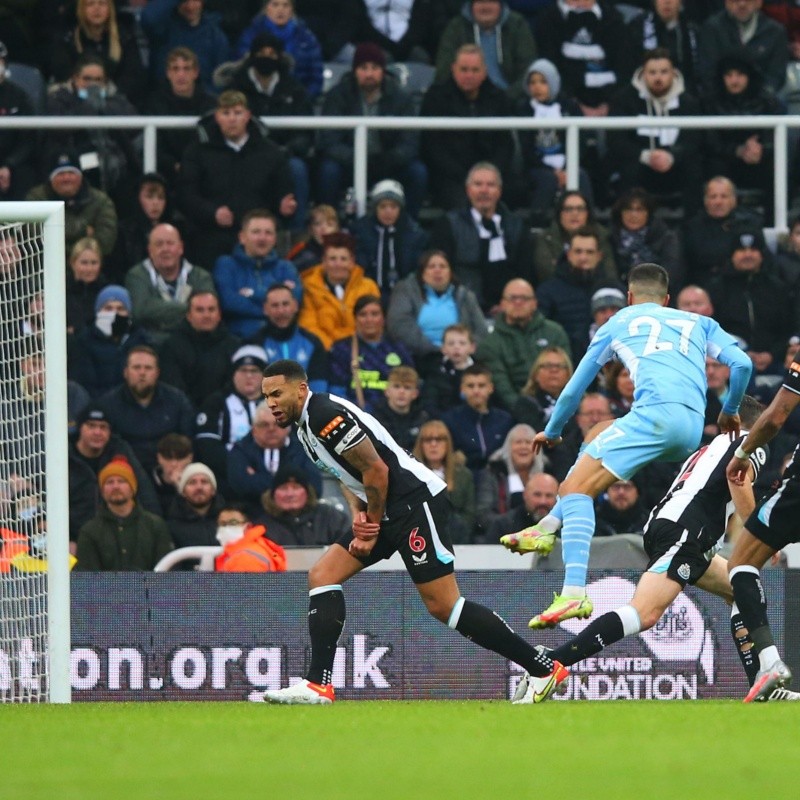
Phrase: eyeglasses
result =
(552, 366)
(429, 439)
(575, 208)
(519, 298)
(224, 522)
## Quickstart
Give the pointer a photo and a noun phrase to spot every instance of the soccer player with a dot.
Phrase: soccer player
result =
(664, 350)
(398, 504)
(683, 533)
(772, 526)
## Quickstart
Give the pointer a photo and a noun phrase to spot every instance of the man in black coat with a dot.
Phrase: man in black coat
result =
(450, 155)
(196, 358)
(192, 517)
(231, 169)
(17, 168)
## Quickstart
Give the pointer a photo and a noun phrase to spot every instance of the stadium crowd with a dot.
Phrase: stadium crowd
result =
(453, 308)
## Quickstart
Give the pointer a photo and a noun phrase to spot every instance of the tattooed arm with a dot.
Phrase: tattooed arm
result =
(374, 476)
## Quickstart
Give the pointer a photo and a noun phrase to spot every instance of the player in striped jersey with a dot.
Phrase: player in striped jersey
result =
(772, 526)
(398, 505)
(681, 538)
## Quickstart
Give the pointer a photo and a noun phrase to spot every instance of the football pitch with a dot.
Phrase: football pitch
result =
(382, 750)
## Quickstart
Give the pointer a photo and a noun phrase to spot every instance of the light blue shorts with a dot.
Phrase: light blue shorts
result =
(666, 432)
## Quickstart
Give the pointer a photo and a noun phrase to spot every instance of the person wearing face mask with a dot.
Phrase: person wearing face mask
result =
(102, 348)
(245, 547)
(265, 78)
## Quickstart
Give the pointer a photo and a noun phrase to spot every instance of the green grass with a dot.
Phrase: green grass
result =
(382, 750)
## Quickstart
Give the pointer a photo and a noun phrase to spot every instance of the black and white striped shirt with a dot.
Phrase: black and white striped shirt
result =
(699, 499)
(330, 425)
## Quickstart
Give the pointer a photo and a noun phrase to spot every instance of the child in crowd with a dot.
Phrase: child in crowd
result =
(442, 390)
(398, 412)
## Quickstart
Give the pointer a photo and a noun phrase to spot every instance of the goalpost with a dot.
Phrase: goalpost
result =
(34, 496)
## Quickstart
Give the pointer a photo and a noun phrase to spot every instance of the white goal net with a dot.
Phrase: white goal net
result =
(34, 588)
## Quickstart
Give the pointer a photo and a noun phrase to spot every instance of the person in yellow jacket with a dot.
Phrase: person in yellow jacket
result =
(330, 290)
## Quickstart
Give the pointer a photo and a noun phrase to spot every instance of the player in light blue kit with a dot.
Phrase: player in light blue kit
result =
(664, 350)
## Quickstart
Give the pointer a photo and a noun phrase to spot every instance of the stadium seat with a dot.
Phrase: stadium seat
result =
(332, 72)
(414, 77)
(31, 81)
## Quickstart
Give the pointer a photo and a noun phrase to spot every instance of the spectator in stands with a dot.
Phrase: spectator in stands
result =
(101, 349)
(123, 536)
(398, 410)
(660, 160)
(548, 376)
(192, 517)
(485, 242)
(520, 333)
(161, 285)
(173, 455)
(434, 448)
(196, 357)
(227, 415)
(618, 387)
(100, 32)
(746, 156)
(695, 300)
(245, 547)
(787, 14)
(639, 237)
(243, 277)
(278, 18)
(501, 483)
(442, 386)
(294, 517)
(544, 151)
(717, 377)
(184, 23)
(566, 298)
(425, 305)
(143, 409)
(538, 499)
(667, 25)
(751, 301)
(152, 208)
(591, 47)
(331, 289)
(622, 511)
(450, 154)
(87, 211)
(742, 23)
(709, 234)
(264, 78)
(573, 211)
(85, 279)
(503, 36)
(389, 242)
(361, 363)
(788, 266)
(372, 91)
(231, 169)
(282, 337)
(407, 31)
(605, 303)
(108, 157)
(336, 26)
(477, 429)
(17, 147)
(255, 459)
(322, 220)
(180, 95)
(90, 450)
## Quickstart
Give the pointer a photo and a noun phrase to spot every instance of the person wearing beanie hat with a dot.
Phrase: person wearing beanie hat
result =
(389, 243)
(192, 516)
(608, 298)
(116, 293)
(122, 535)
(371, 90)
(544, 151)
(249, 355)
(277, 17)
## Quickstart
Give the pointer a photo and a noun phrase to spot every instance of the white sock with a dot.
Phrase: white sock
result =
(573, 591)
(768, 656)
(549, 524)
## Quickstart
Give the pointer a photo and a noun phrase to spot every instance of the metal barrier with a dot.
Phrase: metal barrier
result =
(361, 125)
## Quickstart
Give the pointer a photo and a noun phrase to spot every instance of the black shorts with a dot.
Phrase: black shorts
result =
(421, 534)
(776, 519)
(672, 549)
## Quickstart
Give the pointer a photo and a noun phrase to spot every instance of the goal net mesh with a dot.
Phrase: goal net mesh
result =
(23, 493)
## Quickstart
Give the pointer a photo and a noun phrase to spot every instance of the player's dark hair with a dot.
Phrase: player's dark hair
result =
(290, 370)
(651, 280)
(749, 411)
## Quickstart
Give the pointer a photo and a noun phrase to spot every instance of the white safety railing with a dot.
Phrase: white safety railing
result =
(361, 125)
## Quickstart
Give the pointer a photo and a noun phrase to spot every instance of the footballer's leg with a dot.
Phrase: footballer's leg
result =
(326, 616)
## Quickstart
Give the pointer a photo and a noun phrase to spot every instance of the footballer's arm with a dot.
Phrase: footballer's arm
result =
(374, 476)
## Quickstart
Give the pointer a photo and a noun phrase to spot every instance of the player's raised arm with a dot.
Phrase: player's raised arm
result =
(740, 367)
